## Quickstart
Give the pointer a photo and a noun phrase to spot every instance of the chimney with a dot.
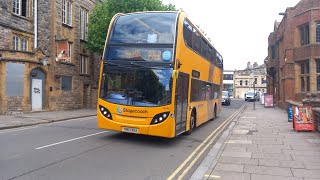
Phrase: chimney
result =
(249, 65)
(255, 64)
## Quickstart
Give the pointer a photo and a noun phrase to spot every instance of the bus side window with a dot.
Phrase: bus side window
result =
(196, 41)
(187, 34)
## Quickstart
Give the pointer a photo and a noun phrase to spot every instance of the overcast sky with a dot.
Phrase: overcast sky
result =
(239, 29)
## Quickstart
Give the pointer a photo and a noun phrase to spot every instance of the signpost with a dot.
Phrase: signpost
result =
(303, 119)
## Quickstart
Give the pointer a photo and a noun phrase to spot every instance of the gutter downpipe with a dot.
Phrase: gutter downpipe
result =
(35, 23)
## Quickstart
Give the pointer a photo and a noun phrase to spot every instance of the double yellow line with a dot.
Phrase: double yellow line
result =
(208, 141)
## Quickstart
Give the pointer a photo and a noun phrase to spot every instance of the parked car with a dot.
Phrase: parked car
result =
(252, 96)
(226, 98)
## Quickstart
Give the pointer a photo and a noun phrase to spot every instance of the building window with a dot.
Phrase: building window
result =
(304, 34)
(305, 77)
(318, 83)
(69, 50)
(240, 82)
(246, 82)
(84, 23)
(66, 83)
(24, 44)
(318, 33)
(273, 52)
(318, 74)
(20, 7)
(83, 65)
(255, 80)
(67, 12)
(14, 79)
(16, 43)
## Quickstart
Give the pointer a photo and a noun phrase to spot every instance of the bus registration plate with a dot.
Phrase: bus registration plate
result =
(130, 130)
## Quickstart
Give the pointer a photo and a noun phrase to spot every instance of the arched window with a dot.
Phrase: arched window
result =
(246, 82)
(240, 82)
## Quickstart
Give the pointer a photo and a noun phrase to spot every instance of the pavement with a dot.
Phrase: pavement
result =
(35, 118)
(258, 144)
(261, 145)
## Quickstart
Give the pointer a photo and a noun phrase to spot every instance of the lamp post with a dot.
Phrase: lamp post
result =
(254, 91)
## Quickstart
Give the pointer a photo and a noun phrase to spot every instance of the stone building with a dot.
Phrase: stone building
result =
(244, 80)
(43, 62)
(228, 81)
(293, 63)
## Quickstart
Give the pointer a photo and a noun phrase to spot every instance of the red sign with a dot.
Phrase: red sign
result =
(303, 119)
(268, 100)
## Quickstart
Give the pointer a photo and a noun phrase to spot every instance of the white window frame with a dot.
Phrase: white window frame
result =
(67, 12)
(84, 65)
(24, 44)
(16, 6)
(84, 18)
(16, 42)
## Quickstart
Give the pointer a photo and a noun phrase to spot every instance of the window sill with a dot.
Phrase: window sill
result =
(85, 75)
(22, 17)
(67, 25)
(66, 63)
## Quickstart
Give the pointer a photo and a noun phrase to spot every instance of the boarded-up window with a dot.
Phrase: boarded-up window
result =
(65, 49)
(14, 79)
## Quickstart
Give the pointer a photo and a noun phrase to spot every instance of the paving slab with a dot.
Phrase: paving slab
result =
(225, 175)
(269, 177)
(306, 173)
(277, 171)
(237, 154)
(306, 159)
(229, 167)
(279, 163)
(237, 160)
(276, 156)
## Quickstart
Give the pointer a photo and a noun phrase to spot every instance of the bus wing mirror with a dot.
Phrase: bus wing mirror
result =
(175, 74)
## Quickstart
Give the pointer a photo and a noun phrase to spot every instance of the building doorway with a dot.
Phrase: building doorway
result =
(37, 89)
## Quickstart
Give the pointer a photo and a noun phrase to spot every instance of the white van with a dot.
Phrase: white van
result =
(249, 96)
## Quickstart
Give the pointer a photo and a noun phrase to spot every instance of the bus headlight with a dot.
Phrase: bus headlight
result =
(106, 113)
(159, 118)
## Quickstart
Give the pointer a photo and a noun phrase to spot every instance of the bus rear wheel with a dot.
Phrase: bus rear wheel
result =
(192, 123)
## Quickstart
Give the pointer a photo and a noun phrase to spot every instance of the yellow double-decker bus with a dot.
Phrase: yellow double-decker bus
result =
(159, 75)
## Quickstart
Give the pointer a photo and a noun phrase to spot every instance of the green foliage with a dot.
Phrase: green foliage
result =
(102, 14)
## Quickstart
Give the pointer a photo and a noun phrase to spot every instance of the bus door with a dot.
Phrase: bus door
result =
(181, 102)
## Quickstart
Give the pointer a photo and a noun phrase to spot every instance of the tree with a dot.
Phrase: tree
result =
(102, 14)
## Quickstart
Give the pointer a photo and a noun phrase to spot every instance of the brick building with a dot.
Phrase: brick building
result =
(293, 63)
(244, 79)
(33, 34)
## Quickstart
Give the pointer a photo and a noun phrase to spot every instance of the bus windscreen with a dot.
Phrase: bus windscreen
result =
(158, 28)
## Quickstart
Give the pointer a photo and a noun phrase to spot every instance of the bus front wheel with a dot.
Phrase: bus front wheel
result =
(192, 123)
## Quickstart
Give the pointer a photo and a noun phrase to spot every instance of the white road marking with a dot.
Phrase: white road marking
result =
(70, 140)
(20, 129)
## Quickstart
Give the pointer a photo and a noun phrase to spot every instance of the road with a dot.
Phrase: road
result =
(77, 149)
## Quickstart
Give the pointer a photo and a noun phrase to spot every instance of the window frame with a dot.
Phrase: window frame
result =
(66, 10)
(84, 65)
(66, 89)
(22, 44)
(304, 76)
(318, 32)
(304, 34)
(16, 41)
(84, 20)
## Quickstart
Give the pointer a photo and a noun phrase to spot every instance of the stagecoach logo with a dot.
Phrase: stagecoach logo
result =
(119, 110)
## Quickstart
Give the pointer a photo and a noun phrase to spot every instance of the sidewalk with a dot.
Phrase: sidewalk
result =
(34, 118)
(261, 145)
